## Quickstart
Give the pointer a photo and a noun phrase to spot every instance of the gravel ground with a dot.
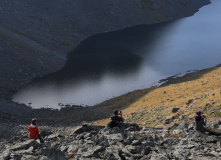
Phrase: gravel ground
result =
(15, 118)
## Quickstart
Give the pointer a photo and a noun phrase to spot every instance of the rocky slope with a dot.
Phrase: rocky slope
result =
(35, 36)
(176, 141)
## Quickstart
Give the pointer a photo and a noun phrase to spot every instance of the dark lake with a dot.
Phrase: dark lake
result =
(114, 63)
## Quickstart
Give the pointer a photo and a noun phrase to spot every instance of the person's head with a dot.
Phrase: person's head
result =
(198, 113)
(34, 121)
(116, 112)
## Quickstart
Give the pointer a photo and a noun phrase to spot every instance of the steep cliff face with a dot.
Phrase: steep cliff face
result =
(35, 36)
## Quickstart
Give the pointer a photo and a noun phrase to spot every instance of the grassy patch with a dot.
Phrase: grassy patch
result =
(217, 113)
(161, 100)
(207, 107)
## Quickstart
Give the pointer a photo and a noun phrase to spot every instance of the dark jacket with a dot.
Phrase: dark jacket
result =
(117, 118)
(116, 121)
(200, 123)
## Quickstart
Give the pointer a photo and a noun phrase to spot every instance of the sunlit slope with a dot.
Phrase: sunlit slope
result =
(156, 106)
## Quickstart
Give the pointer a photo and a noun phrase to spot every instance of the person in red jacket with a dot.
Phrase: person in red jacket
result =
(34, 131)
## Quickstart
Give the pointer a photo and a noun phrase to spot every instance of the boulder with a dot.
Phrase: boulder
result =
(31, 157)
(51, 153)
(114, 138)
(25, 145)
(5, 155)
(87, 128)
(45, 133)
(177, 131)
(189, 102)
(174, 110)
(27, 151)
(146, 150)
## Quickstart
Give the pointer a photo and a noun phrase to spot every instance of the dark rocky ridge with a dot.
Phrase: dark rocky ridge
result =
(35, 36)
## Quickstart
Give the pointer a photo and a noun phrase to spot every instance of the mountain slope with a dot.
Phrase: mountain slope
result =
(177, 99)
(35, 36)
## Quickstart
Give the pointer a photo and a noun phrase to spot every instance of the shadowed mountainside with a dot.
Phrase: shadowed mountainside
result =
(35, 36)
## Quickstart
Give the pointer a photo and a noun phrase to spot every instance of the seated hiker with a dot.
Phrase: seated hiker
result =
(201, 121)
(117, 116)
(34, 131)
(116, 120)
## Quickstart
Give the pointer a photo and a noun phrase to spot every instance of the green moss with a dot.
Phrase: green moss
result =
(180, 97)
(218, 113)
(207, 107)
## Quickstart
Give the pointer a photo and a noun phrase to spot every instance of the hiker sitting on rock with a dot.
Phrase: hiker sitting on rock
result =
(116, 120)
(201, 121)
(117, 116)
(34, 131)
